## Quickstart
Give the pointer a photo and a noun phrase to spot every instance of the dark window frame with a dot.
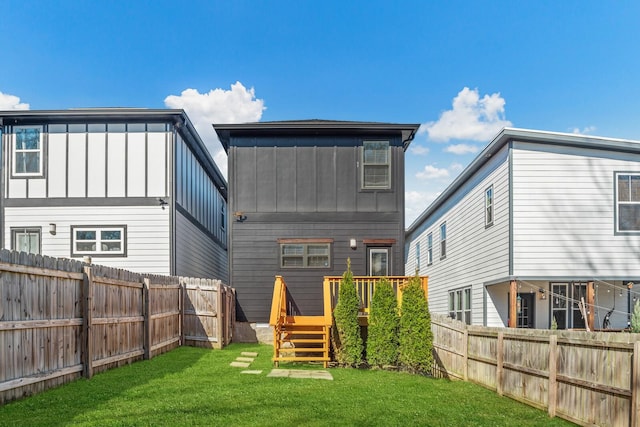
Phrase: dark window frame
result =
(304, 256)
(15, 230)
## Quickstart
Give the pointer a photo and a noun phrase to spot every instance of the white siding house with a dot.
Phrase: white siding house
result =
(538, 222)
(121, 186)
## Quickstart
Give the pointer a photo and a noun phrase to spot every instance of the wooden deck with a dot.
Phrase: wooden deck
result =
(307, 338)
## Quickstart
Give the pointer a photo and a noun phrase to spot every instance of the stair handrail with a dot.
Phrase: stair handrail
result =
(278, 302)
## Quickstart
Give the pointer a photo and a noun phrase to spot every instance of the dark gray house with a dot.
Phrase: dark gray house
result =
(305, 196)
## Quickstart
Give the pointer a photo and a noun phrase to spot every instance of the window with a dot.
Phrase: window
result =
(99, 240)
(418, 256)
(378, 261)
(488, 206)
(376, 165)
(429, 249)
(443, 240)
(628, 202)
(460, 305)
(27, 151)
(223, 217)
(304, 255)
(26, 240)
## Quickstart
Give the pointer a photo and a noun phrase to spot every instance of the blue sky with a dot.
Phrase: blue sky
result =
(463, 69)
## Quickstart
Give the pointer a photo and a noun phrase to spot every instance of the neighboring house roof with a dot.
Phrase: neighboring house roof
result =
(96, 115)
(314, 127)
(524, 135)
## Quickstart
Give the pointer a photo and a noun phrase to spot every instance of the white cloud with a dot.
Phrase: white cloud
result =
(456, 167)
(237, 105)
(416, 202)
(471, 118)
(461, 149)
(11, 102)
(419, 150)
(584, 131)
(432, 172)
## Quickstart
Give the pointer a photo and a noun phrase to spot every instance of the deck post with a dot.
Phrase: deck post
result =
(590, 306)
(513, 306)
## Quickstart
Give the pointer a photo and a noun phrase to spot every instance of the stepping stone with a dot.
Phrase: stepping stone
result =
(249, 354)
(244, 359)
(297, 373)
(279, 373)
(251, 372)
(321, 375)
(240, 364)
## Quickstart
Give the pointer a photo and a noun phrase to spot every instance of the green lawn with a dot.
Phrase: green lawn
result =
(191, 386)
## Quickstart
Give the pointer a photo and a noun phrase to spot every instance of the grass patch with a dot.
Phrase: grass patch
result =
(192, 386)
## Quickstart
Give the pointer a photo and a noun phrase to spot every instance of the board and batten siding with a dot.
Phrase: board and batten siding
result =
(475, 254)
(563, 213)
(147, 247)
(85, 163)
(311, 179)
(197, 253)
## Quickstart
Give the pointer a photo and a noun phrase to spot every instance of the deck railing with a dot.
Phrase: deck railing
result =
(365, 286)
(279, 302)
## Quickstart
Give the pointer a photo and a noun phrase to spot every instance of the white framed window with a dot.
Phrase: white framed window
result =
(379, 261)
(305, 255)
(108, 240)
(429, 249)
(27, 156)
(488, 206)
(376, 165)
(627, 202)
(443, 240)
(460, 305)
(418, 256)
(26, 239)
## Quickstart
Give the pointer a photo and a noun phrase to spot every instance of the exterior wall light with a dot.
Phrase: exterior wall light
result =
(353, 243)
(52, 229)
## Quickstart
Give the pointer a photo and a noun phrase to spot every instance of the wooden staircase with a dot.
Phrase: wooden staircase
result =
(297, 338)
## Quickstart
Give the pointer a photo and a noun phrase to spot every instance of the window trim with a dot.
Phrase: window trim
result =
(14, 151)
(100, 253)
(429, 249)
(443, 240)
(305, 243)
(616, 204)
(453, 302)
(489, 204)
(14, 230)
(363, 185)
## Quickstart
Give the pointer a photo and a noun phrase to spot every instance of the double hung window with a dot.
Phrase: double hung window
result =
(443, 240)
(460, 305)
(27, 151)
(376, 165)
(26, 240)
(628, 202)
(488, 206)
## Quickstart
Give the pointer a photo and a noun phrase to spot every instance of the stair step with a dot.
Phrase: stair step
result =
(304, 340)
(303, 350)
(300, 359)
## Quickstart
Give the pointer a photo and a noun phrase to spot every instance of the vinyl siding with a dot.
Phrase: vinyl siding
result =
(475, 254)
(147, 232)
(197, 254)
(563, 218)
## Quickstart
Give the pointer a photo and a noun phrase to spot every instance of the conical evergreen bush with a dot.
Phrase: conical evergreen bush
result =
(415, 338)
(348, 343)
(384, 323)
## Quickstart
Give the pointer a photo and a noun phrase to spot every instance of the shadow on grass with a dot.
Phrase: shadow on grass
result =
(61, 405)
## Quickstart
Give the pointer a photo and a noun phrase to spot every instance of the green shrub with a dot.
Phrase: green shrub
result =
(348, 342)
(384, 322)
(415, 338)
(635, 318)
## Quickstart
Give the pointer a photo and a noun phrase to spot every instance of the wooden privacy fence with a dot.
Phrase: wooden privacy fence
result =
(61, 319)
(587, 378)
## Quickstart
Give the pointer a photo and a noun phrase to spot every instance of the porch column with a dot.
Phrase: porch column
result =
(513, 306)
(591, 308)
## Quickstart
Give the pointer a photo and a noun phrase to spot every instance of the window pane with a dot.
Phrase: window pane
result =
(623, 188)
(292, 261)
(110, 235)
(451, 306)
(85, 235)
(292, 250)
(318, 261)
(85, 246)
(635, 188)
(28, 162)
(467, 299)
(376, 176)
(111, 246)
(629, 217)
(376, 152)
(458, 300)
(379, 263)
(318, 250)
(28, 139)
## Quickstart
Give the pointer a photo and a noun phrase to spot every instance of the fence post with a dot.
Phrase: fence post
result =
(219, 316)
(465, 352)
(146, 307)
(181, 310)
(87, 323)
(552, 394)
(635, 383)
(500, 361)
